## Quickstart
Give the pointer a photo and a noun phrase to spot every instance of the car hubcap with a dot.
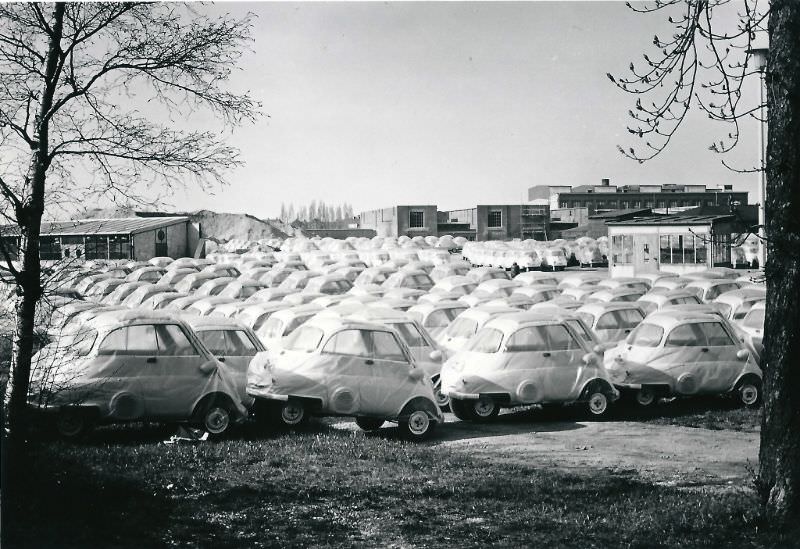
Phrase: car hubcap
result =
(70, 424)
(749, 394)
(484, 408)
(418, 422)
(292, 413)
(645, 397)
(598, 403)
(442, 399)
(217, 420)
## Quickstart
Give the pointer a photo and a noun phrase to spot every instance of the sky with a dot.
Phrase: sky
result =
(453, 104)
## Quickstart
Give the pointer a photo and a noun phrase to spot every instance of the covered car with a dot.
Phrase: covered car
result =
(465, 325)
(133, 365)
(738, 302)
(708, 289)
(282, 323)
(653, 301)
(344, 367)
(482, 274)
(680, 353)
(611, 321)
(436, 317)
(526, 358)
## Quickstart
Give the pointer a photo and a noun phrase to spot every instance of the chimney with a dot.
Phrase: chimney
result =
(605, 182)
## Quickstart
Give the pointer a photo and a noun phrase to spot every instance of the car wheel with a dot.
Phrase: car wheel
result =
(645, 396)
(292, 413)
(417, 425)
(72, 423)
(442, 400)
(369, 423)
(485, 409)
(461, 409)
(749, 393)
(597, 404)
(216, 418)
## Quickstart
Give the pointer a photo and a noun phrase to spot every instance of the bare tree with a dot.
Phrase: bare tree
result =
(74, 80)
(705, 66)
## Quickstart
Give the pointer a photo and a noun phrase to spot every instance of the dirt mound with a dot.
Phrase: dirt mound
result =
(227, 226)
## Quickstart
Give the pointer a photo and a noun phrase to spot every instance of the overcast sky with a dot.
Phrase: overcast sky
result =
(453, 104)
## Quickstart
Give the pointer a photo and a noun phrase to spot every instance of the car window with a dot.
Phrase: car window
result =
(239, 344)
(130, 340)
(305, 338)
(214, 340)
(462, 327)
(743, 309)
(273, 328)
(487, 340)
(754, 319)
(608, 321)
(295, 323)
(715, 334)
(628, 318)
(580, 330)
(348, 342)
(172, 341)
(554, 337)
(646, 335)
(247, 291)
(410, 334)
(386, 347)
(687, 335)
(453, 312)
(437, 319)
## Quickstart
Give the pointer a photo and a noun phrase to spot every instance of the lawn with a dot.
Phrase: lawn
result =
(325, 487)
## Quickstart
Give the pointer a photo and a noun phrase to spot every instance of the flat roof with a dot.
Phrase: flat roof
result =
(114, 226)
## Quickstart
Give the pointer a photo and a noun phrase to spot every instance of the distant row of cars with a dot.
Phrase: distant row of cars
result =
(399, 342)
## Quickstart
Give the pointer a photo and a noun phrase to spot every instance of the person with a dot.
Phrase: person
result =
(514, 269)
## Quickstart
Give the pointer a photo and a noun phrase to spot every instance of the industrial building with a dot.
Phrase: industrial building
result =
(607, 197)
(139, 238)
(482, 222)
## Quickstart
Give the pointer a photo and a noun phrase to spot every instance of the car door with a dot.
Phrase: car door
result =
(548, 358)
(348, 360)
(703, 357)
(175, 380)
(239, 350)
(389, 383)
(121, 372)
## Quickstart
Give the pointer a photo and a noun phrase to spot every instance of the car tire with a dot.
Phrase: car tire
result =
(749, 393)
(292, 413)
(417, 425)
(369, 423)
(216, 417)
(462, 409)
(644, 397)
(73, 423)
(597, 403)
(485, 409)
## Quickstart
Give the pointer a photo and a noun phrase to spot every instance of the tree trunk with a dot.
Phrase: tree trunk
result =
(29, 219)
(779, 469)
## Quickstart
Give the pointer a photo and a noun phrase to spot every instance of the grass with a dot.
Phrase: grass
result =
(327, 487)
(707, 412)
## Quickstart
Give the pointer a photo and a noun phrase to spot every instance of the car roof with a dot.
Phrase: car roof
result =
(668, 319)
(742, 294)
(664, 296)
(214, 323)
(605, 306)
(113, 318)
(513, 321)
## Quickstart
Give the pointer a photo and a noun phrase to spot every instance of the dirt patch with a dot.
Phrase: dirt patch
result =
(663, 454)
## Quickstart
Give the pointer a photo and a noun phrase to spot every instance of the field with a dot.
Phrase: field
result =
(331, 485)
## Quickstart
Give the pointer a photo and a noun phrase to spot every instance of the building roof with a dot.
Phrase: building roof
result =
(115, 226)
(678, 219)
(614, 214)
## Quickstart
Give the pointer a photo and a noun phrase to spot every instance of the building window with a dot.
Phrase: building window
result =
(622, 249)
(9, 247)
(119, 247)
(701, 256)
(666, 250)
(416, 219)
(96, 247)
(49, 248)
(637, 204)
(662, 203)
(721, 249)
(495, 219)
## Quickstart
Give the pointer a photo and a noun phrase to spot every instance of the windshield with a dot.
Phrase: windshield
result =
(487, 340)
(462, 327)
(646, 335)
(588, 318)
(305, 338)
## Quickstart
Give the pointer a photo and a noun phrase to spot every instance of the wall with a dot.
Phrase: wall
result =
(429, 221)
(510, 228)
(144, 243)
(382, 221)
